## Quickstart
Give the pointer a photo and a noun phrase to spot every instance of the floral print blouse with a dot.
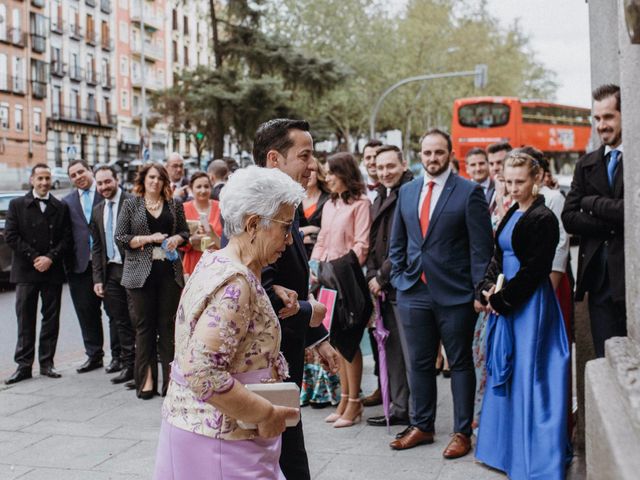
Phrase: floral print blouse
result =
(225, 325)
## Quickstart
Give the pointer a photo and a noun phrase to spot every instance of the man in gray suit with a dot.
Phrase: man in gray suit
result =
(81, 201)
(107, 258)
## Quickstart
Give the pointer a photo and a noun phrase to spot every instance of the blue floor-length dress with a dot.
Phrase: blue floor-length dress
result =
(523, 425)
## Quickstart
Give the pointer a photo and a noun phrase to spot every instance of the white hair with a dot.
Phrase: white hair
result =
(256, 191)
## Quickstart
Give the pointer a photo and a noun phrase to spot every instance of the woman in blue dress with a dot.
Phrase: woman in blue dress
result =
(523, 425)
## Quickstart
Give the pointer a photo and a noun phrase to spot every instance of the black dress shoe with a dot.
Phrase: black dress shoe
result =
(90, 364)
(125, 375)
(19, 375)
(147, 395)
(49, 372)
(114, 366)
(130, 385)
(381, 421)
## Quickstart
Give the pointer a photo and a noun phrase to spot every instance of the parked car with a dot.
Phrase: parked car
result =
(5, 251)
(59, 179)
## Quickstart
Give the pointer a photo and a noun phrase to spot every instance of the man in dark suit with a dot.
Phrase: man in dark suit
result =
(477, 164)
(218, 173)
(179, 181)
(594, 210)
(81, 201)
(392, 173)
(107, 258)
(37, 230)
(441, 243)
(287, 145)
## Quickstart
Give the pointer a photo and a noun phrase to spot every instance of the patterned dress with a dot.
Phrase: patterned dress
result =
(226, 332)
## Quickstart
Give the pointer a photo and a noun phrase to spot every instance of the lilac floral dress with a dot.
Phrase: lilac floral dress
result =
(226, 332)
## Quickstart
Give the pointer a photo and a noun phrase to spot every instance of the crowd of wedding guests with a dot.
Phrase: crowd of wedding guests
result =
(226, 280)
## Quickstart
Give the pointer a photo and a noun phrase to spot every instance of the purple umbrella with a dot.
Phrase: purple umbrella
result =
(381, 334)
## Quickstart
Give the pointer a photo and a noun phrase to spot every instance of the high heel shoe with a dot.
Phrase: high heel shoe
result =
(345, 422)
(147, 394)
(335, 415)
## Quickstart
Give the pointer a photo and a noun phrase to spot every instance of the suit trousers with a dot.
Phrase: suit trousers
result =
(293, 455)
(26, 311)
(396, 371)
(423, 324)
(153, 312)
(116, 303)
(608, 318)
(87, 306)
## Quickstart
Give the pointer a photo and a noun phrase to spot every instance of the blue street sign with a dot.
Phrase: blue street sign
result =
(146, 155)
(72, 151)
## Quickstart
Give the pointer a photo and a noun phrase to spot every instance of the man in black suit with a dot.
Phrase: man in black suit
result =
(107, 258)
(287, 145)
(477, 165)
(179, 181)
(594, 210)
(81, 201)
(37, 230)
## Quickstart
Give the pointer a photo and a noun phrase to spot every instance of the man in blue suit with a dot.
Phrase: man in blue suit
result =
(81, 201)
(441, 243)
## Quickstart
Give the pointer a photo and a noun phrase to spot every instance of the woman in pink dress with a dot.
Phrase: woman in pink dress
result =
(205, 211)
(346, 221)
(228, 335)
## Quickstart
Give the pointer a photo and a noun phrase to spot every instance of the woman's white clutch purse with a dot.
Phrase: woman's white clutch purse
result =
(284, 394)
(499, 283)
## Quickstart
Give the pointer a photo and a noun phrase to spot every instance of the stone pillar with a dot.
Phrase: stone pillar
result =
(613, 383)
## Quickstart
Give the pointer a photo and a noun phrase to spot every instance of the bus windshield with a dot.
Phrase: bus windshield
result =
(484, 115)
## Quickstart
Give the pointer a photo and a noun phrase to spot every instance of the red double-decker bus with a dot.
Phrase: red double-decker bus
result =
(560, 131)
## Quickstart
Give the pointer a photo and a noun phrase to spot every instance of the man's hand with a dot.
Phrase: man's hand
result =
(290, 300)
(319, 311)
(374, 287)
(489, 308)
(42, 263)
(478, 307)
(180, 192)
(329, 357)
(98, 289)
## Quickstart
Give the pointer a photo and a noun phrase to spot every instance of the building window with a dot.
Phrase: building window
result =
(185, 25)
(4, 116)
(174, 17)
(94, 141)
(123, 34)
(19, 119)
(124, 66)
(3, 24)
(74, 104)
(124, 100)
(56, 101)
(136, 105)
(37, 120)
(107, 154)
(186, 56)
(175, 51)
(4, 73)
(57, 148)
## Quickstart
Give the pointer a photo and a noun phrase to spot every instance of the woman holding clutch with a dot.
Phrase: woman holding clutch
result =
(523, 424)
(228, 335)
(203, 217)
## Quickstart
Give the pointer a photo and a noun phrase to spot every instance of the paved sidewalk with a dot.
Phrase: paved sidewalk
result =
(81, 427)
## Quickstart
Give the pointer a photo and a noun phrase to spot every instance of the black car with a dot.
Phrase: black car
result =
(5, 251)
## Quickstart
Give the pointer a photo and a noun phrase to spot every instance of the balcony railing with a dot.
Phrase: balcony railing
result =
(38, 89)
(150, 18)
(75, 73)
(150, 83)
(150, 51)
(91, 37)
(75, 31)
(38, 3)
(18, 85)
(58, 68)
(91, 3)
(80, 115)
(38, 43)
(17, 37)
(107, 44)
(91, 77)
(105, 6)
(57, 26)
(107, 82)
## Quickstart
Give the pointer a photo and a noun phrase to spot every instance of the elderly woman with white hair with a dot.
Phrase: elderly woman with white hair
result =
(227, 335)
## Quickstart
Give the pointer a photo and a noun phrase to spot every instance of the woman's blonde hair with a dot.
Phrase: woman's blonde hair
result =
(517, 158)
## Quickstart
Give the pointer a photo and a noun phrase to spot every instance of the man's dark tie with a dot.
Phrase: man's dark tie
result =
(44, 200)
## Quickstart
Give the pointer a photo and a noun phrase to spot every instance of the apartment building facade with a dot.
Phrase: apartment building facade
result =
(81, 112)
(23, 80)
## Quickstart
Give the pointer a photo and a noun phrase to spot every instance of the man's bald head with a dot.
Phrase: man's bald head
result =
(175, 166)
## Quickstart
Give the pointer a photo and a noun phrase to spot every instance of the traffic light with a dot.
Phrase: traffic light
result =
(199, 136)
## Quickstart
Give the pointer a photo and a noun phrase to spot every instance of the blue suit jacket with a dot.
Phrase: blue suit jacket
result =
(457, 248)
(78, 262)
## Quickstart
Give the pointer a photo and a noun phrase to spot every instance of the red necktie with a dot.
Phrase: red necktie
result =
(424, 217)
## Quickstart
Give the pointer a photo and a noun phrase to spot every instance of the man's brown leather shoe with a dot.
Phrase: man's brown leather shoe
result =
(458, 447)
(412, 438)
(374, 399)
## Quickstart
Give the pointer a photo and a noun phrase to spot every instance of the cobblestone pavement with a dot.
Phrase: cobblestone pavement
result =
(81, 427)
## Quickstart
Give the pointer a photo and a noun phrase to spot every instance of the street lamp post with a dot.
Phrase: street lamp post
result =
(480, 81)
